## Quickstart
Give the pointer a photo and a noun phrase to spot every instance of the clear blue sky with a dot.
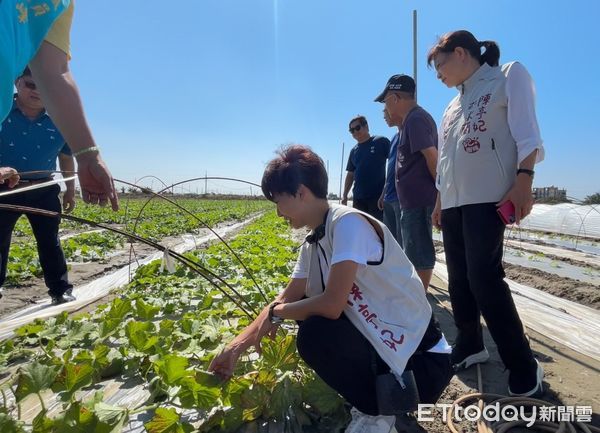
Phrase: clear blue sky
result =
(177, 89)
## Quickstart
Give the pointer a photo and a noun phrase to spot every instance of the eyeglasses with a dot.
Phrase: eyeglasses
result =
(30, 85)
(355, 129)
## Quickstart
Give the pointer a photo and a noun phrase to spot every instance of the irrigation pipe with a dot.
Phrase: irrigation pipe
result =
(197, 267)
(159, 194)
(503, 401)
(154, 194)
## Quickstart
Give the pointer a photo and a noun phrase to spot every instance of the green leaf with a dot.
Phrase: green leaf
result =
(119, 309)
(29, 329)
(167, 327)
(114, 366)
(9, 425)
(254, 401)
(172, 368)
(280, 353)
(285, 395)
(77, 419)
(108, 327)
(194, 395)
(164, 421)
(111, 415)
(41, 423)
(145, 311)
(140, 334)
(74, 377)
(320, 396)
(34, 378)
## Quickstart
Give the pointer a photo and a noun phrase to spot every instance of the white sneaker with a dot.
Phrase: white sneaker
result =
(363, 423)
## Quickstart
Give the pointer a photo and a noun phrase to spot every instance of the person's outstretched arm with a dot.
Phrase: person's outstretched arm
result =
(50, 69)
(224, 363)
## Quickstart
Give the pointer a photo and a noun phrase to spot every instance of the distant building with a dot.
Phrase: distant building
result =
(549, 193)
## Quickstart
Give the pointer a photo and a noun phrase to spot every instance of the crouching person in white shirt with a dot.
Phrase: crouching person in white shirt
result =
(365, 325)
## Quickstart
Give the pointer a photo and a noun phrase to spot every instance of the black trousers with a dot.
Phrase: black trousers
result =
(473, 242)
(343, 358)
(369, 205)
(45, 230)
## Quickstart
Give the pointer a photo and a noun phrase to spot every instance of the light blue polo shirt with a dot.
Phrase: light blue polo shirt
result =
(30, 145)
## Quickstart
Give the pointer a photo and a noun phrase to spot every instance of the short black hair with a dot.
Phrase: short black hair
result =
(361, 119)
(295, 165)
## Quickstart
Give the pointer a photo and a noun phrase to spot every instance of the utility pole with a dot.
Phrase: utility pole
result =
(341, 172)
(415, 51)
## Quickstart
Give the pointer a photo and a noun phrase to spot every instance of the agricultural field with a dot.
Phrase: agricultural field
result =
(137, 360)
(158, 336)
(563, 265)
(90, 251)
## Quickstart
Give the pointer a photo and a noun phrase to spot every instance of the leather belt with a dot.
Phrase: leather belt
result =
(26, 182)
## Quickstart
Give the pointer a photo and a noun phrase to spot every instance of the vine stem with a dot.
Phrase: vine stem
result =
(144, 408)
(41, 402)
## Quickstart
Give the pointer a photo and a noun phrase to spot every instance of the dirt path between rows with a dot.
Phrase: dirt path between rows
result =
(33, 290)
(566, 288)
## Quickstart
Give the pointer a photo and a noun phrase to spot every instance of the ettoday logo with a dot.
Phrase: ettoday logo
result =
(496, 412)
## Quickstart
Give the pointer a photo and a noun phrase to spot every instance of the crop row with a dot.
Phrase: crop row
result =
(159, 220)
(160, 334)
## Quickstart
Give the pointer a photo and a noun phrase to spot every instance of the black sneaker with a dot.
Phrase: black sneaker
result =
(527, 384)
(462, 359)
(64, 298)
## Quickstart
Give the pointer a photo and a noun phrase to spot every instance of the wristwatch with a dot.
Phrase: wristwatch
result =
(526, 171)
(275, 320)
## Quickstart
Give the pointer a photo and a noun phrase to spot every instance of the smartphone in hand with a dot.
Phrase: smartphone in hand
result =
(506, 212)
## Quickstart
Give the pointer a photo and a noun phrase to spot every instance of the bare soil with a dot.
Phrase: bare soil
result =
(567, 288)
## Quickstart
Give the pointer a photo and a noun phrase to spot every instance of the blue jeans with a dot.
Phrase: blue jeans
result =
(391, 218)
(417, 237)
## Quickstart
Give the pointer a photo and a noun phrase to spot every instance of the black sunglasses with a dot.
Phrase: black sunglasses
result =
(355, 129)
(30, 85)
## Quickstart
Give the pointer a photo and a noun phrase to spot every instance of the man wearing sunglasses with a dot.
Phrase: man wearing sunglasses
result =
(366, 168)
(30, 143)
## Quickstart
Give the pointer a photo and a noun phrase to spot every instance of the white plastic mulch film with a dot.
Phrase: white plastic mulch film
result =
(565, 218)
(573, 325)
(100, 287)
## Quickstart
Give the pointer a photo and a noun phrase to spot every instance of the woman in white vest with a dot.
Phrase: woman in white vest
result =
(360, 305)
(489, 144)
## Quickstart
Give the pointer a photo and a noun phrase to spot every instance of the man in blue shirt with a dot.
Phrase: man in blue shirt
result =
(366, 168)
(388, 202)
(29, 142)
(37, 33)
